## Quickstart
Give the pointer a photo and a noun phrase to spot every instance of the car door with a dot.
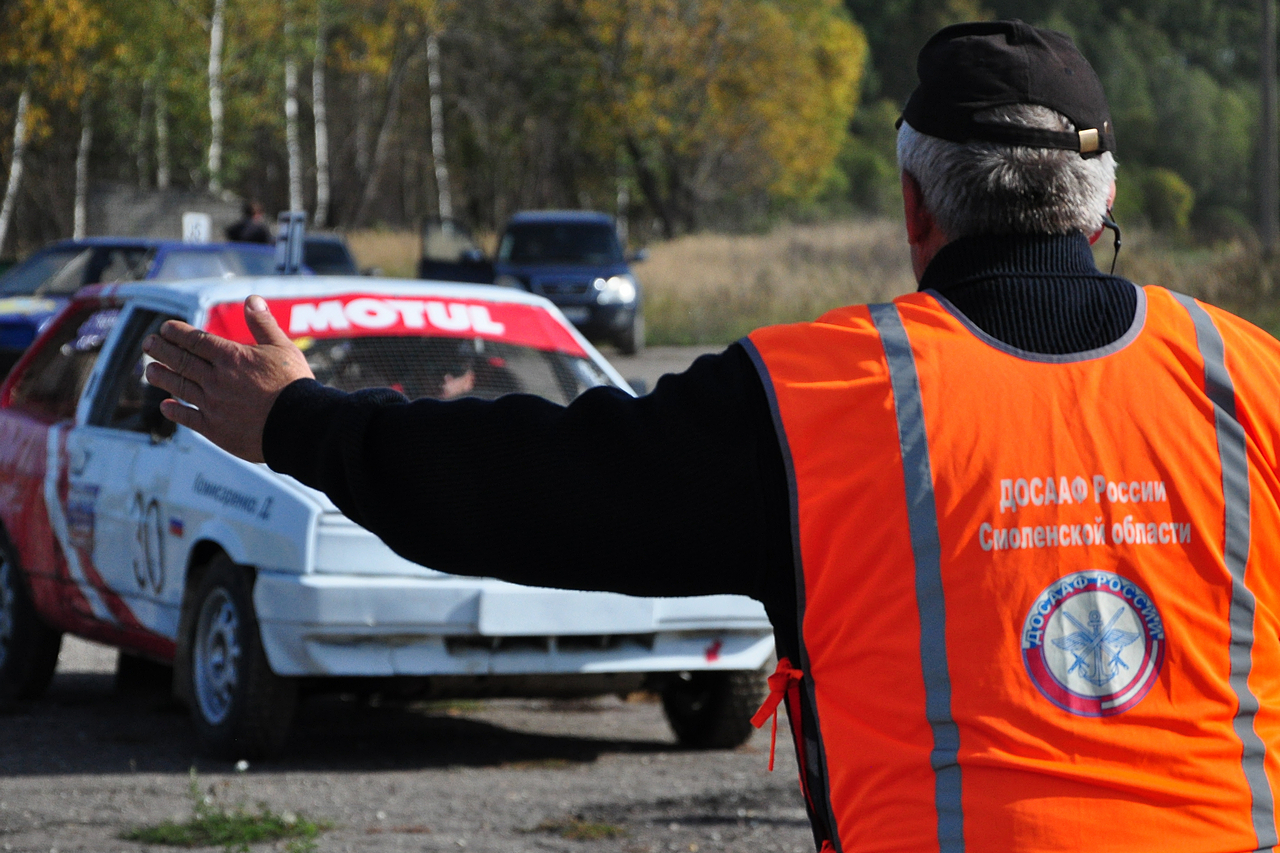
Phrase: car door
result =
(46, 396)
(119, 459)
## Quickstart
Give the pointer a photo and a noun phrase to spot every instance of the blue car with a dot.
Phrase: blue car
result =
(32, 292)
(574, 258)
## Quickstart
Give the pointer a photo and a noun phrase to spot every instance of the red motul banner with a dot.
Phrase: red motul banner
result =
(365, 315)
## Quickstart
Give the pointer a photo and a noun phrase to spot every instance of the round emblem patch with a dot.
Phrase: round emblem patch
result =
(1093, 643)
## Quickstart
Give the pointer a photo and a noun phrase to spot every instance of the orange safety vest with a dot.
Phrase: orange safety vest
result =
(1038, 593)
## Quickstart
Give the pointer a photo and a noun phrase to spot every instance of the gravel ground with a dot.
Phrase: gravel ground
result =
(88, 762)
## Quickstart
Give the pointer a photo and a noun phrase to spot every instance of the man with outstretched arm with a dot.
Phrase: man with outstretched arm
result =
(1017, 532)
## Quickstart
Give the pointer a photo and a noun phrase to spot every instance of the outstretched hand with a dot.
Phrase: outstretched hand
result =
(230, 387)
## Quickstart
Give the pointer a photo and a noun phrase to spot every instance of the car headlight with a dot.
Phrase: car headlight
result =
(615, 290)
(505, 280)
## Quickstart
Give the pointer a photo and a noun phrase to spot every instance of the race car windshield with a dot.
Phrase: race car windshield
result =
(560, 243)
(446, 368)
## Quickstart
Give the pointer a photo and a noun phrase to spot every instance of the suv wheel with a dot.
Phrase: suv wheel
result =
(713, 710)
(28, 647)
(631, 339)
(240, 708)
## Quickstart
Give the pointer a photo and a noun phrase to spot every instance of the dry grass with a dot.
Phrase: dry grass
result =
(395, 253)
(715, 288)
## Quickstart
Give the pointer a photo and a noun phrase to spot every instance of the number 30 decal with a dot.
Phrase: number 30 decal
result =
(148, 556)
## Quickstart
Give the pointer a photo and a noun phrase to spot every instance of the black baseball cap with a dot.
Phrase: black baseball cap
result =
(967, 68)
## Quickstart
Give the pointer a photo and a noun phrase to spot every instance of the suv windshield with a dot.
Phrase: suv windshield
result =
(448, 367)
(560, 243)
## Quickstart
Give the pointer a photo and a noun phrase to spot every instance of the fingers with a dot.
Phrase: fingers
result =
(207, 347)
(182, 415)
(262, 325)
(175, 383)
(177, 358)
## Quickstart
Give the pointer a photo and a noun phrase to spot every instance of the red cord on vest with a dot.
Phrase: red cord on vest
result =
(782, 680)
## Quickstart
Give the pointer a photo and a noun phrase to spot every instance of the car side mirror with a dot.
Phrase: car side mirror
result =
(156, 424)
(638, 255)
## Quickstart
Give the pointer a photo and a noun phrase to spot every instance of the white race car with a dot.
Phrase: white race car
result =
(119, 527)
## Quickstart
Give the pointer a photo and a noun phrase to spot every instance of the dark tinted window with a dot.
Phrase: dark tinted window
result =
(560, 243)
(128, 401)
(328, 257)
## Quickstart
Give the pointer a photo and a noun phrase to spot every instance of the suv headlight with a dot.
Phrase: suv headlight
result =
(615, 290)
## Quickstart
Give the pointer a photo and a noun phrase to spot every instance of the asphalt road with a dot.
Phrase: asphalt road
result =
(653, 362)
(88, 762)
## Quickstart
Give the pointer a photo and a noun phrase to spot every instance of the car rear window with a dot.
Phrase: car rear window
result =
(180, 264)
(27, 277)
(51, 384)
(560, 243)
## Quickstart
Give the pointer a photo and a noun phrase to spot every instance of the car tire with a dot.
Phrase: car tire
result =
(631, 339)
(28, 647)
(713, 710)
(240, 708)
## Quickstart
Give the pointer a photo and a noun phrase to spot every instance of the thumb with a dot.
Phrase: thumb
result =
(262, 325)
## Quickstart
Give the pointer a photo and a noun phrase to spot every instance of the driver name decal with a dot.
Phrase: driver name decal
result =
(225, 495)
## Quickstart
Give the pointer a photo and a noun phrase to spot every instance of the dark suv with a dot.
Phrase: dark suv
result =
(573, 258)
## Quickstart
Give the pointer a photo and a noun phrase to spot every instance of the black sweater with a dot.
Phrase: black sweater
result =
(680, 492)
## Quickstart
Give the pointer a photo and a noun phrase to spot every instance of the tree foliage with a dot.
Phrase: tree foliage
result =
(1181, 77)
(685, 110)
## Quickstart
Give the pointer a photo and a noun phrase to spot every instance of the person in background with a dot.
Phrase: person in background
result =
(251, 227)
(1018, 532)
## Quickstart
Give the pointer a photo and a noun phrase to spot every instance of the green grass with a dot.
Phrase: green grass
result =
(234, 829)
(576, 829)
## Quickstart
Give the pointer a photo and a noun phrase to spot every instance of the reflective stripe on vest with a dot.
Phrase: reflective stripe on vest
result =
(858, 396)
(922, 517)
(1235, 488)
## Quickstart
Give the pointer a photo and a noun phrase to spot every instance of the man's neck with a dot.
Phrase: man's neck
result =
(1041, 293)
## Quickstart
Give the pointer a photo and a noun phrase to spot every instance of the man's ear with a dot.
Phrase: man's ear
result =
(920, 225)
(1111, 200)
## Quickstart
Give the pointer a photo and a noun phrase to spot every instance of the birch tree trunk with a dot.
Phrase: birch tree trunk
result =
(15, 165)
(444, 195)
(389, 119)
(215, 95)
(140, 137)
(292, 146)
(320, 112)
(162, 135)
(80, 218)
(364, 93)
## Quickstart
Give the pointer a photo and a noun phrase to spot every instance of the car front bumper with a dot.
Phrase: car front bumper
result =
(597, 321)
(335, 625)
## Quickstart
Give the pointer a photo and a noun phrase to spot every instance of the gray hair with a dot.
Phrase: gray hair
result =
(984, 188)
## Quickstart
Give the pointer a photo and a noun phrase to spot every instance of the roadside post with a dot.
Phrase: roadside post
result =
(291, 227)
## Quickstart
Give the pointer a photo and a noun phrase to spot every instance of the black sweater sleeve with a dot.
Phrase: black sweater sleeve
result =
(680, 492)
